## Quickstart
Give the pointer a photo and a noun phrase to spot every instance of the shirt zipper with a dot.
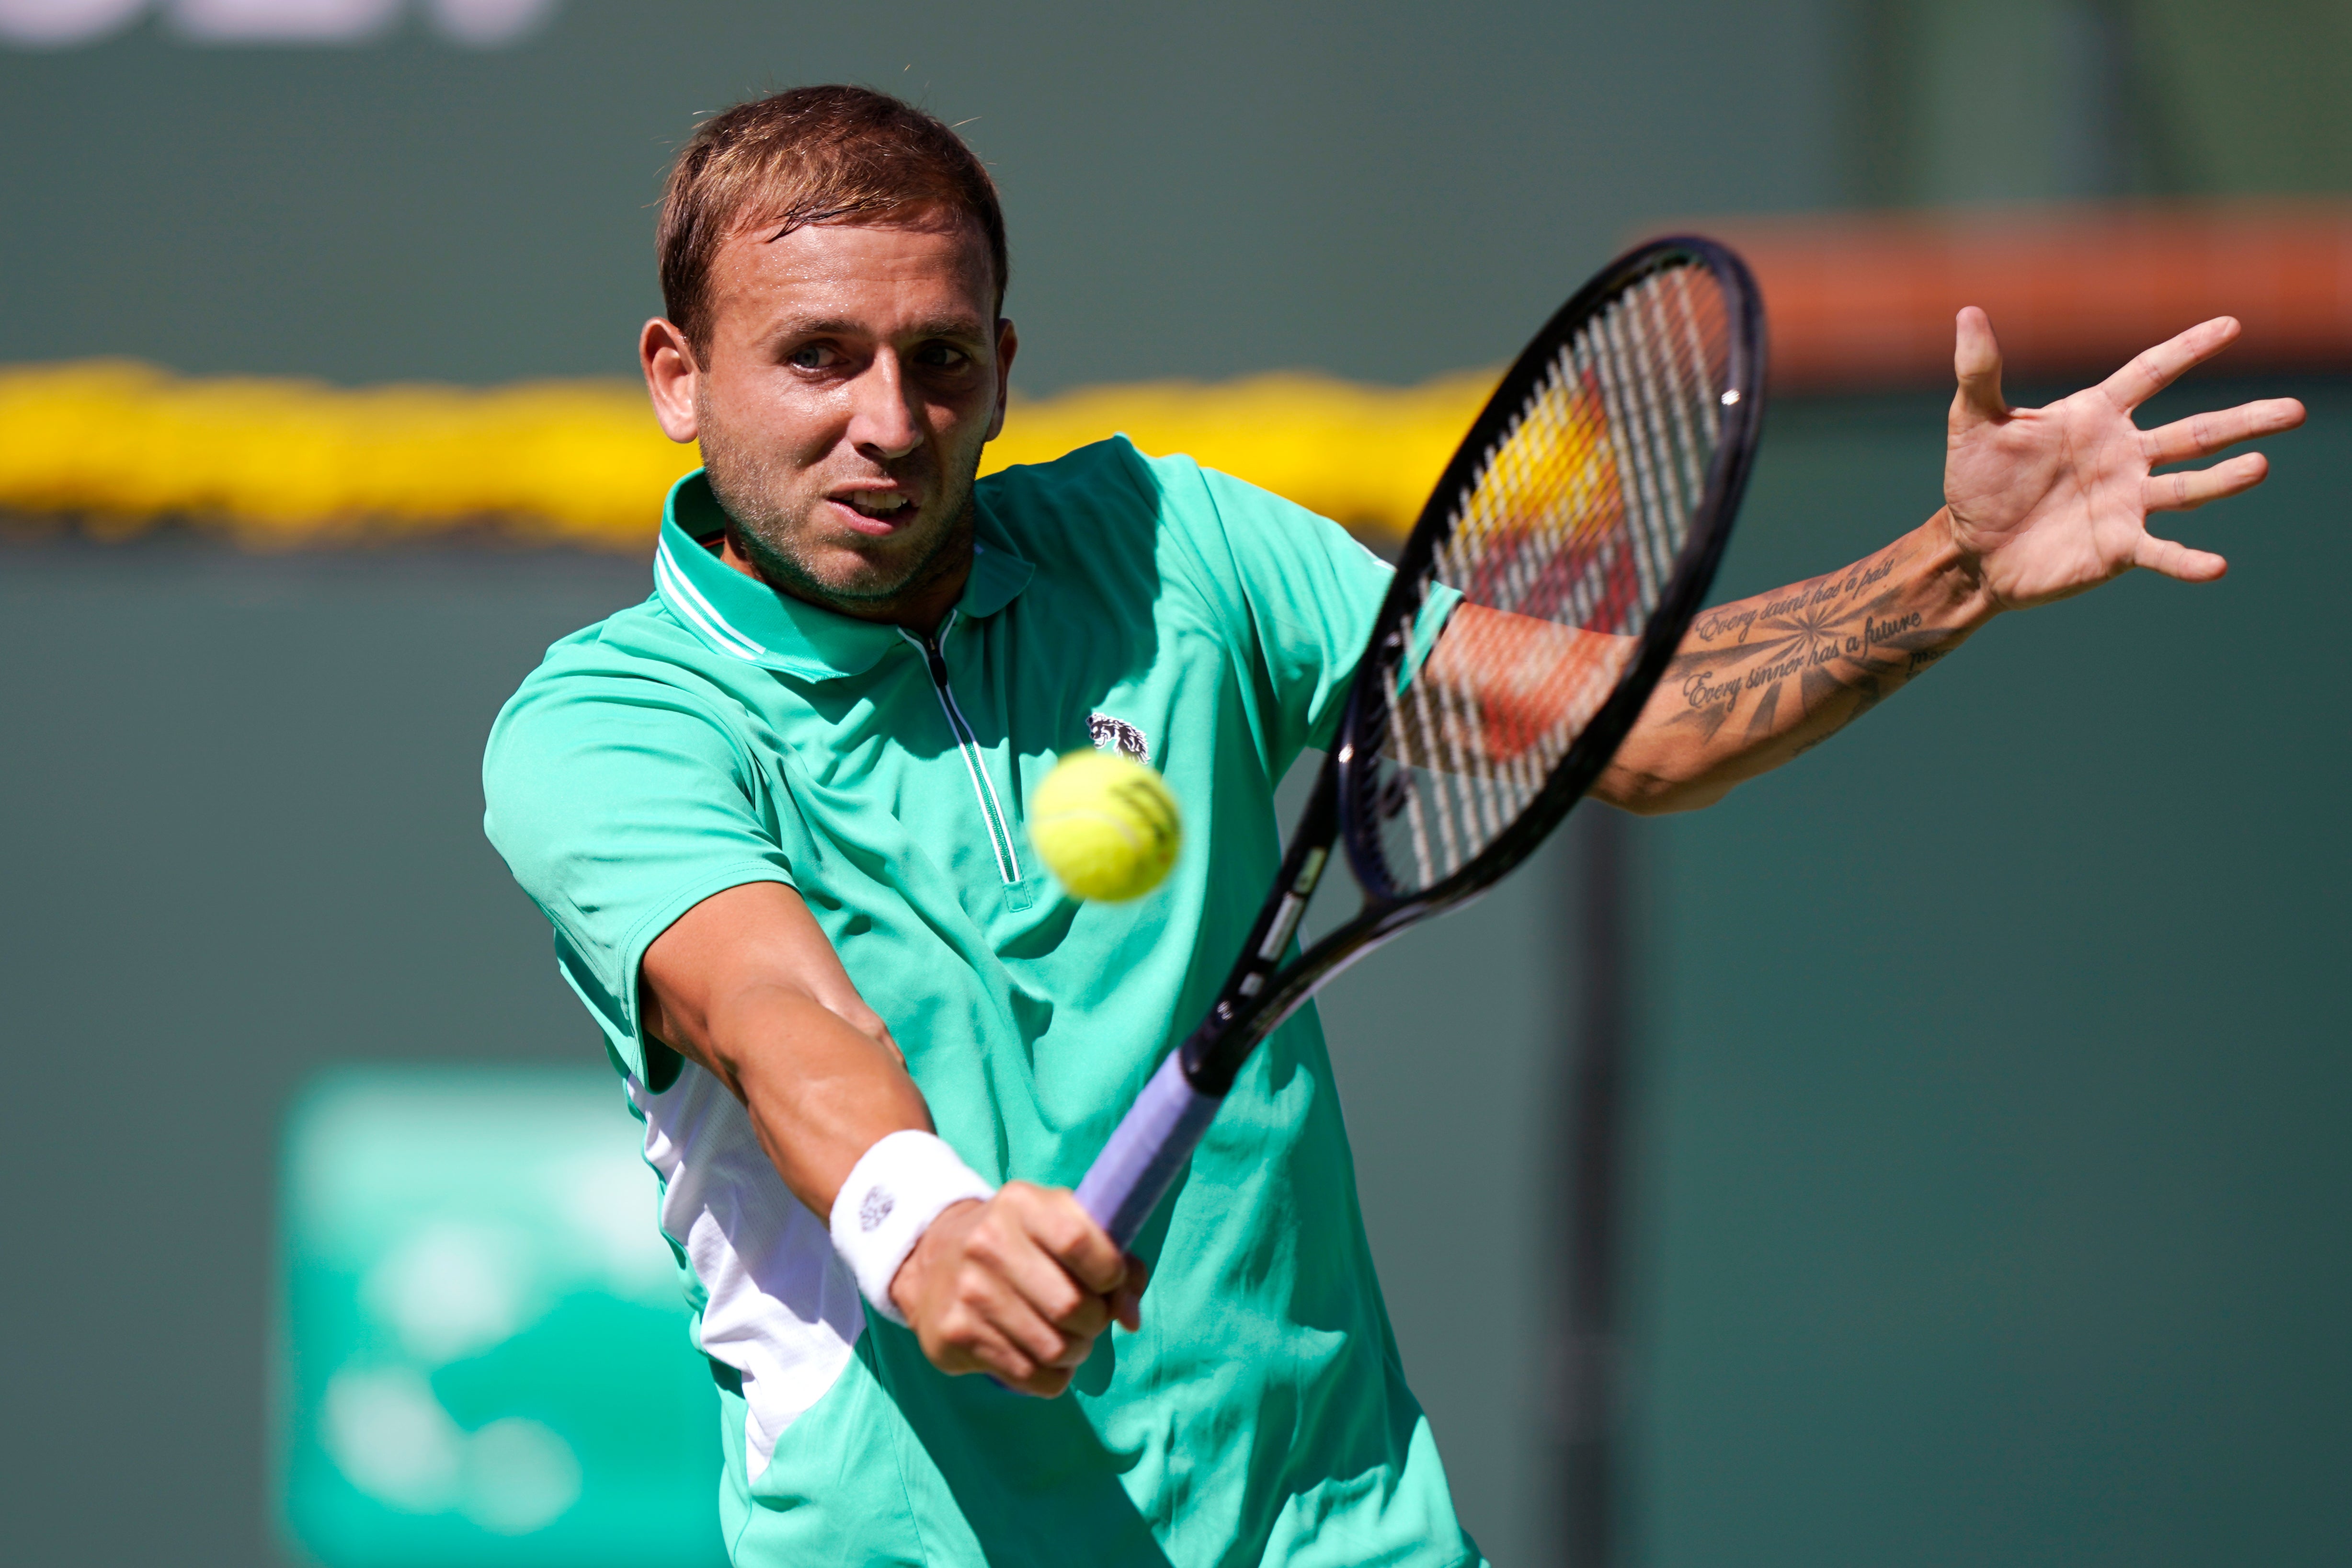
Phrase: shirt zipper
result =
(975, 762)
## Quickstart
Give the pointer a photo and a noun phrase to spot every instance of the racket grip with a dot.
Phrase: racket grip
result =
(1136, 1168)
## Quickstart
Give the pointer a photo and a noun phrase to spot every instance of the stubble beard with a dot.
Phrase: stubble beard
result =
(766, 533)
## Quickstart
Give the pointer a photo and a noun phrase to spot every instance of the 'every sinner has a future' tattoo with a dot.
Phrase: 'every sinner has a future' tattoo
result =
(1848, 633)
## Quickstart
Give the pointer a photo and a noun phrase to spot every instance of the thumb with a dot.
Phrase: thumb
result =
(1975, 361)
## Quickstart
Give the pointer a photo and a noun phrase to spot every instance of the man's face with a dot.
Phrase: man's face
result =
(853, 373)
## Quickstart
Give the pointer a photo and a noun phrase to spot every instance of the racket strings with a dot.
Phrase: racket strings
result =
(1560, 545)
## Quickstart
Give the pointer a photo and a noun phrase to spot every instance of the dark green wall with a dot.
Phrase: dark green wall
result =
(2009, 101)
(1384, 190)
(1996, 1162)
(240, 838)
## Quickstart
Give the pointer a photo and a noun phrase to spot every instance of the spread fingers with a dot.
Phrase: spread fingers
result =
(2153, 370)
(2193, 487)
(2203, 434)
(2177, 561)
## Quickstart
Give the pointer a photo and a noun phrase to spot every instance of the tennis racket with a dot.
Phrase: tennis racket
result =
(1550, 577)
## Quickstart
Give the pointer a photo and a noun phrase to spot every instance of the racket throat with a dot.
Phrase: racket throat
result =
(1259, 962)
(1213, 1052)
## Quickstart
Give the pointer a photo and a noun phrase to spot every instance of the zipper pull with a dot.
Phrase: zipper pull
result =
(933, 659)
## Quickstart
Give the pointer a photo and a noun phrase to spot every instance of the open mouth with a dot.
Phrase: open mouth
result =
(875, 512)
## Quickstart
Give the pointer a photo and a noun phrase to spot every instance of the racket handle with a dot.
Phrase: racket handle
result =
(1135, 1169)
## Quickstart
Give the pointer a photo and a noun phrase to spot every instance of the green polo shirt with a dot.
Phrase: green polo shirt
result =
(720, 733)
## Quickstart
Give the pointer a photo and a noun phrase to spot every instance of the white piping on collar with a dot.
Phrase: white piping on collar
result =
(672, 580)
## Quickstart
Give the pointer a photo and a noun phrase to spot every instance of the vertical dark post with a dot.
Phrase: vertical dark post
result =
(1589, 1390)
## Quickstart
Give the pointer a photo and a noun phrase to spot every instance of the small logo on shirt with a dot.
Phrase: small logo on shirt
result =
(874, 1209)
(1117, 735)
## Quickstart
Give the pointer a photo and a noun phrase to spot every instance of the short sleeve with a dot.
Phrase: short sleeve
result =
(619, 802)
(1304, 592)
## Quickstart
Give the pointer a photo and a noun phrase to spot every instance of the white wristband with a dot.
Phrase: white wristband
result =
(894, 1192)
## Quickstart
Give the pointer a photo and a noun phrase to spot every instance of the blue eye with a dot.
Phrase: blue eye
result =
(811, 356)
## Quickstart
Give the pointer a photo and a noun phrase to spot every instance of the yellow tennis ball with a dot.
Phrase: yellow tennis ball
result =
(1106, 826)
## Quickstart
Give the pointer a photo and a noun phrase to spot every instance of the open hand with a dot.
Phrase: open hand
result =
(2048, 502)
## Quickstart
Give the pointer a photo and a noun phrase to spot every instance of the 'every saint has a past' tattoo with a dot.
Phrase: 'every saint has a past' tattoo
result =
(1773, 660)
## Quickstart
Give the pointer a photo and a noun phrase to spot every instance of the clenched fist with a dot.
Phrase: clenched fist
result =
(1019, 1286)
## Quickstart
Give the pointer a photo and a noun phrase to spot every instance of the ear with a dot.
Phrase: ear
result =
(667, 359)
(1008, 343)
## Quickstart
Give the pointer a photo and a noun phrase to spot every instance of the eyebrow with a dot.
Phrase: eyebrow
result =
(842, 327)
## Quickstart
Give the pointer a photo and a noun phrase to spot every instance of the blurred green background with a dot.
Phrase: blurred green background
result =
(480, 1357)
(1987, 1171)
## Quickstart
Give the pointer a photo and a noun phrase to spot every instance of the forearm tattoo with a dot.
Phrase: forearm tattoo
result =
(1771, 662)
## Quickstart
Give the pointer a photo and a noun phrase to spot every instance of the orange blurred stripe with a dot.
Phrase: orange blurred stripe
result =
(1861, 302)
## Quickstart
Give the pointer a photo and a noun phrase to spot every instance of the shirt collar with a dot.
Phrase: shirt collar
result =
(745, 618)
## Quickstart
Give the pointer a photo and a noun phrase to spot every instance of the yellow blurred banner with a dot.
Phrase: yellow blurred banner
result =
(113, 447)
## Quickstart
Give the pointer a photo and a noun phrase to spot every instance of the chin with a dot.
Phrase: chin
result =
(864, 587)
(827, 562)
(853, 575)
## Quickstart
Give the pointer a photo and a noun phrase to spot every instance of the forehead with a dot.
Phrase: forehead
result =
(929, 260)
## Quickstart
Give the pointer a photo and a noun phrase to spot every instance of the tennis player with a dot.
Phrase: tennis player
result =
(774, 816)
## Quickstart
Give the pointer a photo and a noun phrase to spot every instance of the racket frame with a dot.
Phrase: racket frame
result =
(1686, 591)
(1261, 993)
(1257, 999)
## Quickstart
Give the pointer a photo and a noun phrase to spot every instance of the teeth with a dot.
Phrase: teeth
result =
(877, 505)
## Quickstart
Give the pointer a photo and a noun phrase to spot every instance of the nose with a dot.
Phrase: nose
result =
(882, 421)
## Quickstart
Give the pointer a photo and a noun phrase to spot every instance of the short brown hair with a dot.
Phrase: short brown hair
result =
(815, 154)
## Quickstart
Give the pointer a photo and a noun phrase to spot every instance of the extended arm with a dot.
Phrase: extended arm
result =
(1761, 680)
(746, 985)
(2041, 504)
